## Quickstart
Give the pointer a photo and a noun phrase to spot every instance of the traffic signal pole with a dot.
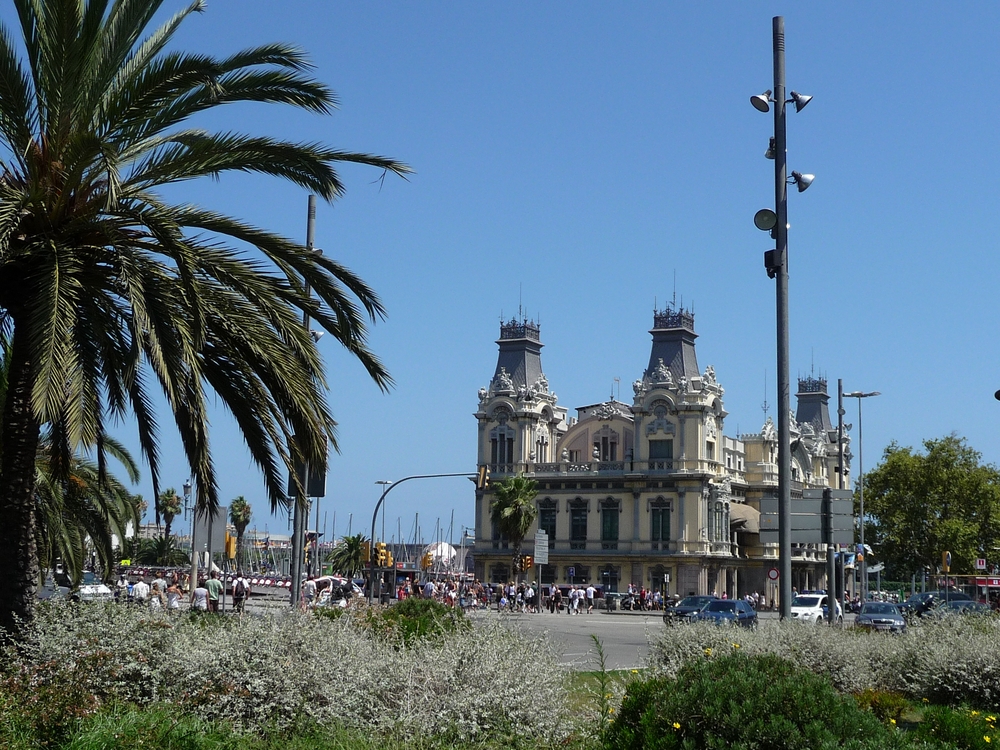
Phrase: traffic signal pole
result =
(378, 505)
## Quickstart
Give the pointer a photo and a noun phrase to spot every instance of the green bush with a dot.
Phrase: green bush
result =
(743, 702)
(960, 728)
(887, 706)
(413, 619)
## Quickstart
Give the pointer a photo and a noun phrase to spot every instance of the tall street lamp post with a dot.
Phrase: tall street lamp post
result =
(386, 487)
(776, 263)
(861, 491)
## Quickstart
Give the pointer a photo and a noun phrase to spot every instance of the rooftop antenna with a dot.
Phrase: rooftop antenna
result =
(765, 406)
(520, 310)
(674, 302)
(812, 361)
(618, 382)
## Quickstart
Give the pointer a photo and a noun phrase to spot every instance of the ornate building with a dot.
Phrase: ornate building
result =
(651, 492)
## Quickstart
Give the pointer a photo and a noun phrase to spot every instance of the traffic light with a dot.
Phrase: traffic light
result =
(483, 479)
(425, 561)
(389, 562)
(527, 562)
(380, 554)
(366, 552)
(230, 547)
(945, 562)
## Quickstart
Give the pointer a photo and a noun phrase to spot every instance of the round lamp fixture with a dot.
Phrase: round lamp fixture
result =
(765, 220)
(761, 102)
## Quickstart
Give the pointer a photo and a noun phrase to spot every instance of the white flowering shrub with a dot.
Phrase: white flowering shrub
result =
(952, 661)
(486, 681)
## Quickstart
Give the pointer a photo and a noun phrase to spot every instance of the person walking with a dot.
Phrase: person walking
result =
(591, 592)
(173, 597)
(241, 590)
(215, 591)
(199, 599)
(140, 591)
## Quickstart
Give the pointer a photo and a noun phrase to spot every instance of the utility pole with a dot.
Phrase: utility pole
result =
(300, 508)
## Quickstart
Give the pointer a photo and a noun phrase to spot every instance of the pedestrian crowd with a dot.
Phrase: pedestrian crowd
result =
(166, 590)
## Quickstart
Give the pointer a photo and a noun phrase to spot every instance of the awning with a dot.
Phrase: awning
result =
(744, 518)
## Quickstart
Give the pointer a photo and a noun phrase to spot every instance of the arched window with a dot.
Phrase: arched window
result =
(606, 444)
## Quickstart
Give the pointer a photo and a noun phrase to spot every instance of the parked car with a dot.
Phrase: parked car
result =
(686, 608)
(881, 616)
(728, 612)
(958, 607)
(922, 602)
(812, 609)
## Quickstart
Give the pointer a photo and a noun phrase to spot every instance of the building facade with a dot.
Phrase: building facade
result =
(653, 492)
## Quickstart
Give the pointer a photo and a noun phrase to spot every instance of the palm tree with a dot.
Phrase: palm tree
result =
(161, 550)
(513, 511)
(108, 290)
(83, 512)
(169, 505)
(240, 514)
(348, 558)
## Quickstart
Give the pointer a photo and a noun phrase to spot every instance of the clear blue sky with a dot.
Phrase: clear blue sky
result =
(574, 156)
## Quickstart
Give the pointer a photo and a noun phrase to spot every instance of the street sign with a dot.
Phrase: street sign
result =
(980, 563)
(772, 574)
(571, 571)
(541, 548)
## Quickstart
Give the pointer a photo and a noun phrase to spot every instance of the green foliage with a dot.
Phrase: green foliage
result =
(922, 504)
(513, 511)
(168, 506)
(741, 702)
(415, 619)
(964, 728)
(112, 294)
(347, 558)
(161, 550)
(888, 706)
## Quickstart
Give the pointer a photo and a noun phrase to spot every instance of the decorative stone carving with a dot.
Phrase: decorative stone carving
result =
(483, 394)
(768, 432)
(541, 384)
(682, 385)
(661, 373)
(659, 422)
(710, 375)
(502, 414)
(564, 455)
(638, 388)
(607, 411)
(502, 383)
(711, 430)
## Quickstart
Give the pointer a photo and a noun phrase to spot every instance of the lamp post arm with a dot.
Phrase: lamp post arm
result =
(378, 505)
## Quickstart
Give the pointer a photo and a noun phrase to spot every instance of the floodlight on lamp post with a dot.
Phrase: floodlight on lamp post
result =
(861, 491)
(776, 264)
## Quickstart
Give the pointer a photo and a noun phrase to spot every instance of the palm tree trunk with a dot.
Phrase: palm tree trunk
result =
(239, 550)
(166, 527)
(18, 551)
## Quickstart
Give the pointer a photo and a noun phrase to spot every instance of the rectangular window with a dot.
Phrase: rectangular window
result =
(509, 458)
(578, 528)
(547, 523)
(494, 452)
(660, 449)
(710, 451)
(609, 525)
(609, 528)
(660, 531)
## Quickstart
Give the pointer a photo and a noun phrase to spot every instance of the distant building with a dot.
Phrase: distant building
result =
(653, 492)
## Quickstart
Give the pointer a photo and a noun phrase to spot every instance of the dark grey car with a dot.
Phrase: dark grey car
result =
(881, 616)
(686, 608)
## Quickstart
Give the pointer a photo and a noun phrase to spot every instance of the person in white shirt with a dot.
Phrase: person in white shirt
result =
(199, 599)
(140, 591)
(591, 592)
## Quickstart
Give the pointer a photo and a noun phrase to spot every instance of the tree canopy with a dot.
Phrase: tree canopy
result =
(922, 504)
(109, 291)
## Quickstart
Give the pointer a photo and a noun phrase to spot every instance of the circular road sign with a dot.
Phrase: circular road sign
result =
(772, 574)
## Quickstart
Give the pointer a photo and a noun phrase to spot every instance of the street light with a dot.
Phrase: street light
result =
(861, 491)
(776, 263)
(387, 485)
